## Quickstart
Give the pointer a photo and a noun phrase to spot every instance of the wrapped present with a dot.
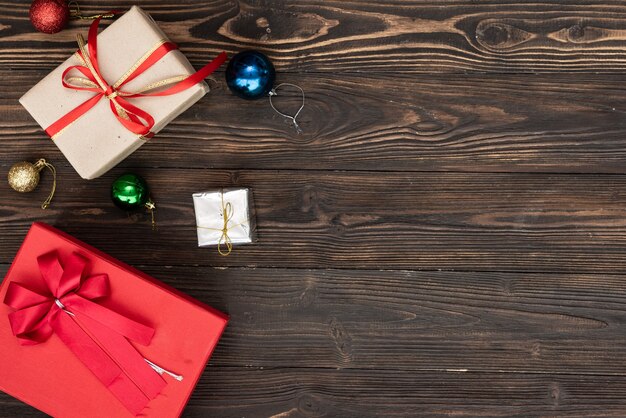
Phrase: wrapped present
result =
(84, 335)
(225, 217)
(118, 90)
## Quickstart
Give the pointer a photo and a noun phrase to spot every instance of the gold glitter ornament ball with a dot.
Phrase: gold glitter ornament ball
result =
(24, 177)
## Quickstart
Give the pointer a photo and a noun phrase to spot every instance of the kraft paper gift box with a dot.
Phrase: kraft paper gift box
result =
(224, 216)
(50, 376)
(97, 141)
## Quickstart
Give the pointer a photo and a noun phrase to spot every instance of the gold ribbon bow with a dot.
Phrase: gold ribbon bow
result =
(227, 215)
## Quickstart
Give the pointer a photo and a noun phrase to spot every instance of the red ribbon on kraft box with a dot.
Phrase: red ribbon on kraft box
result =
(98, 336)
(132, 117)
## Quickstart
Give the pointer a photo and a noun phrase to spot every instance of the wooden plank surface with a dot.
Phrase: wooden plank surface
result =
(395, 220)
(413, 321)
(519, 123)
(447, 237)
(369, 36)
(408, 340)
(293, 392)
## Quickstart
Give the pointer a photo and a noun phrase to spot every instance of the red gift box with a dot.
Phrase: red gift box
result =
(53, 373)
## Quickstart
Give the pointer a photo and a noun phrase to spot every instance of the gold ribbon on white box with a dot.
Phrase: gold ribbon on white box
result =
(223, 218)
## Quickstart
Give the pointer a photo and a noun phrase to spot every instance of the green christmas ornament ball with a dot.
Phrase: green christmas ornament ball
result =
(130, 192)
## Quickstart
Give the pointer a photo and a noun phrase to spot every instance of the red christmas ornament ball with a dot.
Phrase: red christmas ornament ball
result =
(49, 16)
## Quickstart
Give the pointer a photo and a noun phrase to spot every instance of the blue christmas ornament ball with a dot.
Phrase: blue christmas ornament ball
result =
(250, 75)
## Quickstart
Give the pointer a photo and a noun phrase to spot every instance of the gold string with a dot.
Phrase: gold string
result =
(155, 85)
(103, 85)
(221, 230)
(83, 81)
(152, 208)
(87, 62)
(76, 14)
(138, 63)
(83, 49)
(166, 82)
(227, 215)
(39, 165)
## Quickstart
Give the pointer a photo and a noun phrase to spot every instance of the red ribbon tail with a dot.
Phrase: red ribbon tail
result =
(101, 316)
(193, 79)
(199, 75)
(70, 117)
(111, 358)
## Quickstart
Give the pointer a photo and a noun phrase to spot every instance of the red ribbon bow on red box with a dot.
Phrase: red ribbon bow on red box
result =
(95, 334)
(132, 117)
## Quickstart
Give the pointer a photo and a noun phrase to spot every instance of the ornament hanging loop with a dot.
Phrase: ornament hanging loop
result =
(152, 208)
(273, 93)
(76, 14)
(39, 165)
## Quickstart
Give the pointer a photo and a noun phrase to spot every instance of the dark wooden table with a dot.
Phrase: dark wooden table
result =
(447, 237)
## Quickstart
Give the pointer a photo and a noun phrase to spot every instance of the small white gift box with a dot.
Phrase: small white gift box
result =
(225, 217)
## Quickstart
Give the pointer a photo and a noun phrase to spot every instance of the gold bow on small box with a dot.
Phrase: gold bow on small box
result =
(231, 225)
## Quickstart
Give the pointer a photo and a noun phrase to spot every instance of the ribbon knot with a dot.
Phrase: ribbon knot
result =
(98, 337)
(110, 93)
(130, 116)
(59, 303)
(227, 215)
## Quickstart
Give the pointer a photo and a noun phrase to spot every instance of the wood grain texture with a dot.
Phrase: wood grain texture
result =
(419, 123)
(461, 221)
(369, 36)
(356, 393)
(418, 321)
(366, 343)
(11, 408)
(299, 393)
(447, 237)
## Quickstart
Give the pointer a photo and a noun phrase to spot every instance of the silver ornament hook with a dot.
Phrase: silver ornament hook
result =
(293, 118)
